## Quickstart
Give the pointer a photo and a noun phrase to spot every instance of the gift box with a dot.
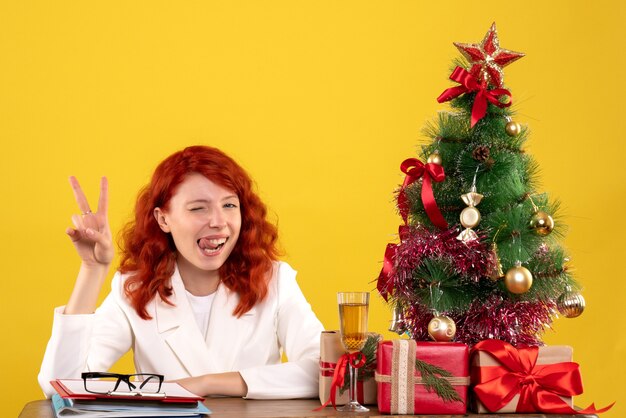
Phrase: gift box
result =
(405, 388)
(532, 379)
(331, 350)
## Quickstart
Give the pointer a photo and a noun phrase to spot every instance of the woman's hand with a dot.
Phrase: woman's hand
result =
(92, 239)
(92, 235)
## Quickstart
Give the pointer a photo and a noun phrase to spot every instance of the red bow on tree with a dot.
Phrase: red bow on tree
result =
(539, 386)
(385, 282)
(385, 278)
(470, 84)
(414, 169)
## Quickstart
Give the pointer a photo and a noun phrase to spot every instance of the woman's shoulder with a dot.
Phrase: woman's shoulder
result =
(118, 285)
(119, 279)
(282, 270)
(283, 280)
(282, 273)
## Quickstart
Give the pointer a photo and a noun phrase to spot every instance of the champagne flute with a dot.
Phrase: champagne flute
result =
(353, 307)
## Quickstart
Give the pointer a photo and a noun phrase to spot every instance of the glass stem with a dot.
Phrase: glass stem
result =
(353, 376)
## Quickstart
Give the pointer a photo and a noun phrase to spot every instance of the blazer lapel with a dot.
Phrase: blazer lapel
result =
(178, 326)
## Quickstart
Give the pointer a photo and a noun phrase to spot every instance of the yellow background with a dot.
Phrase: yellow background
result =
(320, 101)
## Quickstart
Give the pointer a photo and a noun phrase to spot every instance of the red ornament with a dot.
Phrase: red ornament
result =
(487, 58)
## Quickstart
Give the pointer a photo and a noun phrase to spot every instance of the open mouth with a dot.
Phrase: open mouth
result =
(211, 245)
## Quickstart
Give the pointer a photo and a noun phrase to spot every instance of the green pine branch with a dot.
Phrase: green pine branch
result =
(434, 379)
(449, 291)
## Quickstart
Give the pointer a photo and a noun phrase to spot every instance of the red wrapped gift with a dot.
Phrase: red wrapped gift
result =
(529, 379)
(401, 388)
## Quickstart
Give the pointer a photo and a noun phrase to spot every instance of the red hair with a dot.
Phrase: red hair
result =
(149, 254)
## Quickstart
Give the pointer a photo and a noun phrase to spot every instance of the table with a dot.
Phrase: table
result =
(242, 408)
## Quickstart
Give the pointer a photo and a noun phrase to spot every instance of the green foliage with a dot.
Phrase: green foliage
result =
(459, 61)
(438, 287)
(434, 379)
(550, 275)
(449, 127)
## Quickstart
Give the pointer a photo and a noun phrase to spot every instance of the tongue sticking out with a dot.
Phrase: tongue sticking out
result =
(210, 244)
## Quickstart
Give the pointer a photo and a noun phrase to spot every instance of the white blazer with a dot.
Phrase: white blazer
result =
(171, 342)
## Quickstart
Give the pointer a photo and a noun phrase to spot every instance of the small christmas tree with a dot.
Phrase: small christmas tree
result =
(479, 254)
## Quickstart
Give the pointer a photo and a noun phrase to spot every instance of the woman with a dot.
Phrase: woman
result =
(199, 297)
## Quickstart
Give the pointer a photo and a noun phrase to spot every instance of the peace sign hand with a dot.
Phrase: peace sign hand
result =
(92, 235)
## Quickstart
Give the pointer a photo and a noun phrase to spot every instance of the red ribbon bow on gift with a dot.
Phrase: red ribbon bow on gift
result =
(469, 84)
(414, 169)
(539, 385)
(357, 360)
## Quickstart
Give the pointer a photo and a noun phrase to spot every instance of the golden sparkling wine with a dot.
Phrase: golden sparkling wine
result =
(353, 308)
(353, 319)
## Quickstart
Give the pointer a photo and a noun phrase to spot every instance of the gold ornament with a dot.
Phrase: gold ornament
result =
(496, 272)
(541, 223)
(470, 216)
(513, 128)
(570, 304)
(434, 158)
(442, 328)
(518, 279)
(398, 324)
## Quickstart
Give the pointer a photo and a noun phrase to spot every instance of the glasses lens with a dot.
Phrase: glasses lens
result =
(105, 385)
(147, 383)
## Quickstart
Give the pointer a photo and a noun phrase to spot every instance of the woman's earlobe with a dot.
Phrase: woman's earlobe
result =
(160, 218)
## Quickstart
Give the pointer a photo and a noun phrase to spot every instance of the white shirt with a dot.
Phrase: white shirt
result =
(201, 307)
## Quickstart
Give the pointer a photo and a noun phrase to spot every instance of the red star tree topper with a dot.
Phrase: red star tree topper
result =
(487, 58)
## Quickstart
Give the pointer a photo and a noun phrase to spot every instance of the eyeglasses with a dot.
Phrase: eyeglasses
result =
(143, 384)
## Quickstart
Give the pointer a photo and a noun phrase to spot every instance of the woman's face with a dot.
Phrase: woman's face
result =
(205, 220)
